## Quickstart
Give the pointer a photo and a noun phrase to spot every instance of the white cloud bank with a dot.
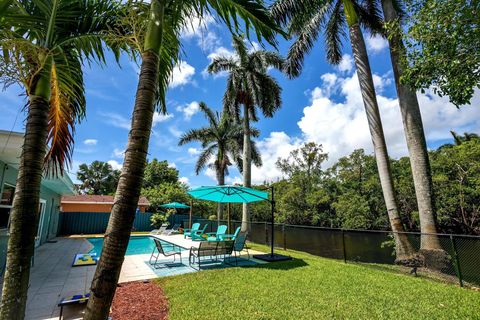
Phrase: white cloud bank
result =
(336, 119)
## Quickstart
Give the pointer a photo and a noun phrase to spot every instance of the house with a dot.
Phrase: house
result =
(94, 203)
(51, 191)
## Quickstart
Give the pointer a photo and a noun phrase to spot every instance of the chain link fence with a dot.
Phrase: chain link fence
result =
(455, 259)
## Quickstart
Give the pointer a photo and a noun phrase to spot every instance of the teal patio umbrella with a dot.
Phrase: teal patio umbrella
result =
(175, 205)
(239, 194)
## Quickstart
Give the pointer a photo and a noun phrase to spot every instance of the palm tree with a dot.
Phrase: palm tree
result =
(222, 139)
(43, 45)
(305, 20)
(97, 178)
(249, 85)
(414, 133)
(156, 36)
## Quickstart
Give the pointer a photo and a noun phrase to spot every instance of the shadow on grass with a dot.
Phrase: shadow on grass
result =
(281, 265)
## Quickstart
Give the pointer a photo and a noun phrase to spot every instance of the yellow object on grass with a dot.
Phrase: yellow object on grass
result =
(84, 259)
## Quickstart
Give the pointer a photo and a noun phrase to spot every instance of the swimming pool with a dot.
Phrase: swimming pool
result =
(136, 245)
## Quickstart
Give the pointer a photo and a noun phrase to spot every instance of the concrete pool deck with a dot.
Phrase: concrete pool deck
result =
(52, 276)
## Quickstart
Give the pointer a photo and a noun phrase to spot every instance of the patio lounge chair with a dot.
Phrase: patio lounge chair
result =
(174, 230)
(232, 236)
(188, 232)
(239, 245)
(218, 235)
(158, 251)
(210, 251)
(160, 230)
(198, 235)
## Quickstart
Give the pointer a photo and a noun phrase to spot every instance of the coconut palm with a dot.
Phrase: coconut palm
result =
(249, 86)
(222, 139)
(305, 20)
(413, 128)
(43, 45)
(156, 35)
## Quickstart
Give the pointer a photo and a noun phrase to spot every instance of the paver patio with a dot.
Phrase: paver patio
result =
(53, 277)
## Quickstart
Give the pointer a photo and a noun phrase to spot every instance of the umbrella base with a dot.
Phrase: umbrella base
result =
(272, 258)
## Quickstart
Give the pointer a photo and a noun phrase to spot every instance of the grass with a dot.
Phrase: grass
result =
(310, 287)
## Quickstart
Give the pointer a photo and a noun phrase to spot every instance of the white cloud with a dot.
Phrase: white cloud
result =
(346, 64)
(182, 74)
(172, 165)
(189, 109)
(202, 29)
(376, 44)
(184, 180)
(118, 153)
(342, 126)
(160, 117)
(234, 180)
(276, 145)
(336, 119)
(115, 165)
(193, 151)
(115, 120)
(90, 142)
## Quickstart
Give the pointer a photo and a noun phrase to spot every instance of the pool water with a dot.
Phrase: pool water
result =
(136, 245)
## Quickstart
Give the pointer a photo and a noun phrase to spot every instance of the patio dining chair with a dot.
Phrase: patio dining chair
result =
(158, 251)
(239, 245)
(209, 251)
(217, 235)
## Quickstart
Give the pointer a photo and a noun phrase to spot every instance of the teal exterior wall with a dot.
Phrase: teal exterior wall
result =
(50, 220)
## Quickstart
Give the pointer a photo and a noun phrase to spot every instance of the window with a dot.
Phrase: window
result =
(6, 203)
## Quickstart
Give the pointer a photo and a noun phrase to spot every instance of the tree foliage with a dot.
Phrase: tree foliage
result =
(158, 172)
(97, 178)
(349, 194)
(444, 48)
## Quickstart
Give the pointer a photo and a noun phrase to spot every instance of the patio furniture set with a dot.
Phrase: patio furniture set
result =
(213, 247)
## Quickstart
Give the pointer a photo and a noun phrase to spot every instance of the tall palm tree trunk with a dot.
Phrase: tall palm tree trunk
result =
(221, 182)
(417, 146)
(247, 165)
(120, 224)
(24, 214)
(403, 247)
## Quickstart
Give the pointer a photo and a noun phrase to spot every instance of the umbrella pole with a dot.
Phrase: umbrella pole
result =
(273, 221)
(228, 217)
(190, 218)
(271, 257)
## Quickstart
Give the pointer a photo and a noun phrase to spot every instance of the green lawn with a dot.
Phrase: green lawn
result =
(311, 287)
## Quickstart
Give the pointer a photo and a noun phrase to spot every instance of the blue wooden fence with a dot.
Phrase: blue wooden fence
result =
(96, 222)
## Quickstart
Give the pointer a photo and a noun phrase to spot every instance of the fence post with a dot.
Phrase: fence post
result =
(266, 233)
(284, 237)
(343, 245)
(457, 260)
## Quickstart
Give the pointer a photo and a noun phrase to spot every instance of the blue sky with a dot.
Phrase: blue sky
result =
(322, 105)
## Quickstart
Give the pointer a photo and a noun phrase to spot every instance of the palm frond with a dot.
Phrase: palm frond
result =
(254, 15)
(203, 159)
(334, 32)
(221, 63)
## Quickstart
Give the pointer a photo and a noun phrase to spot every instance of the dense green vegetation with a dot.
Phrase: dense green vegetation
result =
(444, 47)
(348, 195)
(97, 177)
(310, 287)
